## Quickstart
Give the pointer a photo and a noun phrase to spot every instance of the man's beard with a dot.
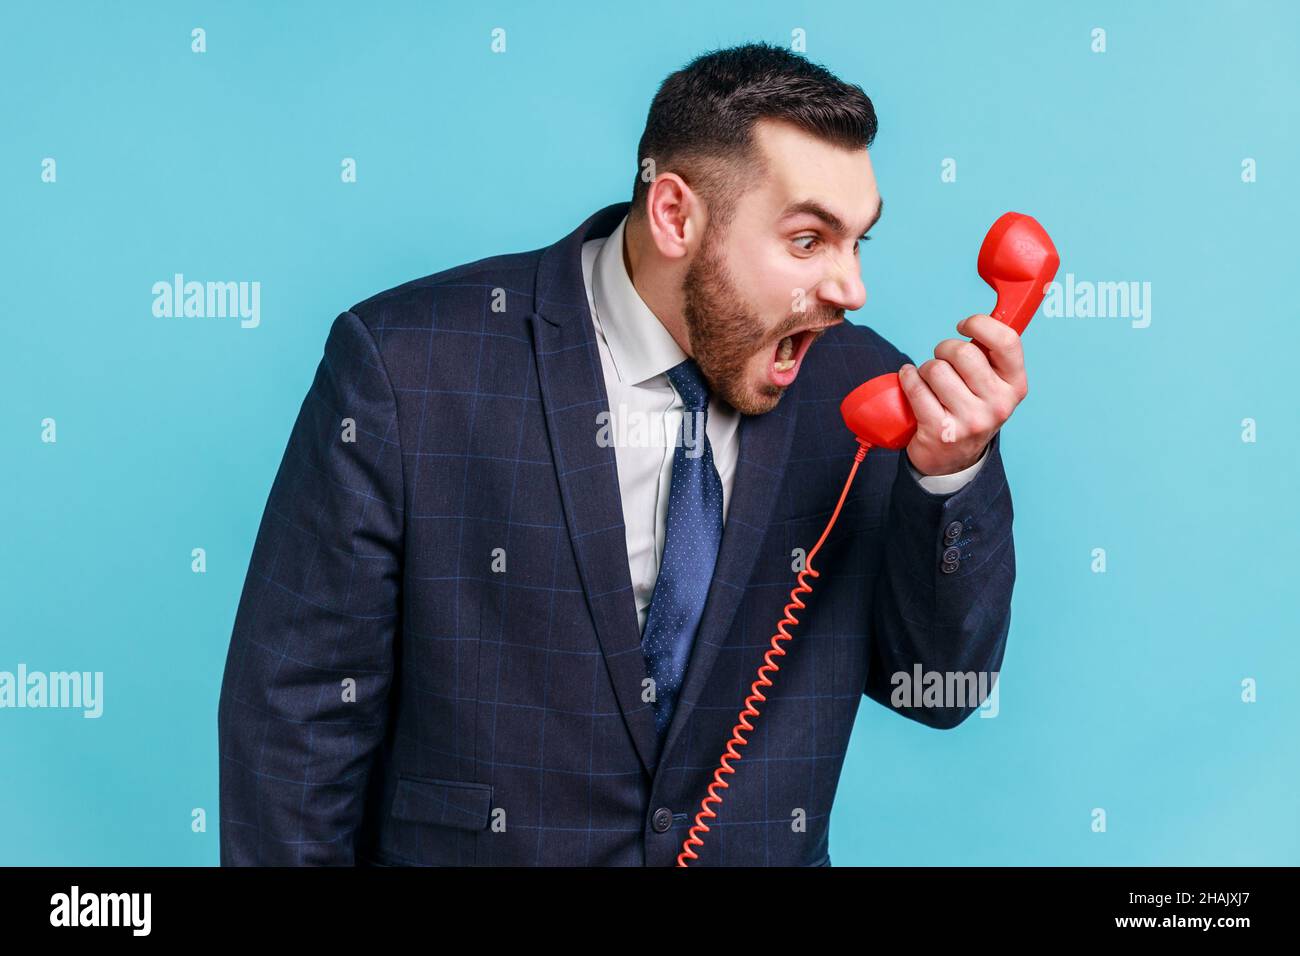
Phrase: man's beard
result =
(723, 332)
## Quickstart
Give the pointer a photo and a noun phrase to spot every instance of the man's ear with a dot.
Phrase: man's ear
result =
(675, 216)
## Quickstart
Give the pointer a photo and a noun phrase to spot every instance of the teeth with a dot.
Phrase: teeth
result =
(785, 349)
(783, 366)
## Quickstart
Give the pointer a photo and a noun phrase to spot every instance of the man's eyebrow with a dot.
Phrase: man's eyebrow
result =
(812, 207)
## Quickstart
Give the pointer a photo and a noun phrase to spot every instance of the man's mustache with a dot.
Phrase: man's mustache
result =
(814, 319)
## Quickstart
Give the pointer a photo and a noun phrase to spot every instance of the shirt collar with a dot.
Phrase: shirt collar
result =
(639, 345)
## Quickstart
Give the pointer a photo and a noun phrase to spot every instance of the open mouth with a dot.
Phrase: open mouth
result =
(789, 352)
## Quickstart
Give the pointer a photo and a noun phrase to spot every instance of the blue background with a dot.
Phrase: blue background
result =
(1119, 690)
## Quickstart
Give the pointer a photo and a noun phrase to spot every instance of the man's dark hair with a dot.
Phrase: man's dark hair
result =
(701, 121)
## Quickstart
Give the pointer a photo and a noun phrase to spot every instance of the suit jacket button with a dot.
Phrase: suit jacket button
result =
(953, 530)
(949, 567)
(662, 820)
(951, 555)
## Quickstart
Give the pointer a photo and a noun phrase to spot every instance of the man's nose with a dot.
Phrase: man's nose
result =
(843, 288)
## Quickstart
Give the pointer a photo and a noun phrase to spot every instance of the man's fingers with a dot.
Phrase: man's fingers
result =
(973, 365)
(1002, 348)
(951, 391)
(926, 407)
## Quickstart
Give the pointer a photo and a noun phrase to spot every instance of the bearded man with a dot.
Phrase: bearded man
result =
(476, 629)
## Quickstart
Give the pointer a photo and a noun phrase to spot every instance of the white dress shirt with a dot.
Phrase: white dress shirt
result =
(636, 352)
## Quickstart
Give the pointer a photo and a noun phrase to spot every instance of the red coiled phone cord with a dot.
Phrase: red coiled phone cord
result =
(769, 666)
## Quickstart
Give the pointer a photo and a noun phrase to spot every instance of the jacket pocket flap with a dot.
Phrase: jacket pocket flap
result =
(448, 803)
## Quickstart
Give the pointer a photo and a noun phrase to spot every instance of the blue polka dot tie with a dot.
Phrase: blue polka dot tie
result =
(690, 547)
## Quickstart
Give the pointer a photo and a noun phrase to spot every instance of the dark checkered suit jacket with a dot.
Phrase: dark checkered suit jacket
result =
(436, 659)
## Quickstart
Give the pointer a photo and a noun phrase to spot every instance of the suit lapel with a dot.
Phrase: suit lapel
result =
(573, 394)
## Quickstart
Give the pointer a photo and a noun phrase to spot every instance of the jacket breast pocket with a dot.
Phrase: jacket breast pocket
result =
(448, 803)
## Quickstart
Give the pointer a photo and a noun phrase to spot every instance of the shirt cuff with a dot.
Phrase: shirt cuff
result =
(947, 484)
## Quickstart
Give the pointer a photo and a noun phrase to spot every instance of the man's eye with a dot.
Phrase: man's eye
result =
(814, 239)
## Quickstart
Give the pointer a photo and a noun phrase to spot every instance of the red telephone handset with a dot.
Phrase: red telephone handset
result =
(1018, 260)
